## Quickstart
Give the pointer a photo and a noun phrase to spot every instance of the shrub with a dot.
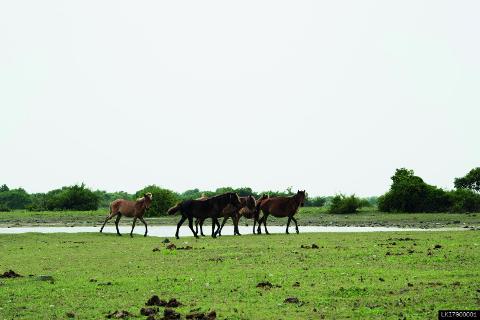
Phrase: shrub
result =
(464, 200)
(343, 204)
(409, 193)
(315, 202)
(76, 197)
(14, 198)
(3, 208)
(162, 200)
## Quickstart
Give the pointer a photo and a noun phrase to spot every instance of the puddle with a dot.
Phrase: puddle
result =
(169, 231)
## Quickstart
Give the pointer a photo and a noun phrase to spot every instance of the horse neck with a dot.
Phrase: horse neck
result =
(296, 201)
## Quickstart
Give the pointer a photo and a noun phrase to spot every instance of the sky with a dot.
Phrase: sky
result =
(326, 96)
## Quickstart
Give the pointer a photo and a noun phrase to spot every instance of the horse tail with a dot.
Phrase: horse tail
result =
(174, 209)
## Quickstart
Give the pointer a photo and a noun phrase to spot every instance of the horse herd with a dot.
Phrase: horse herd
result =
(227, 205)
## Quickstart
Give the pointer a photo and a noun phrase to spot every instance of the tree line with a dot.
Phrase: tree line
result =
(408, 193)
(79, 197)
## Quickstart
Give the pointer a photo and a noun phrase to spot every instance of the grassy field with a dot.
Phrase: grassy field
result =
(375, 275)
(306, 216)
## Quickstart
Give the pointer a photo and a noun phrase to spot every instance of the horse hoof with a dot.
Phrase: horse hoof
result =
(119, 234)
(144, 235)
(131, 235)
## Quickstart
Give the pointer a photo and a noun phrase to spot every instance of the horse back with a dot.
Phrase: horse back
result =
(278, 206)
(125, 207)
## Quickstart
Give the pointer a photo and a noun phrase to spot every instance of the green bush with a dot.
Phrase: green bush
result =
(162, 200)
(76, 197)
(14, 198)
(464, 200)
(4, 208)
(343, 204)
(106, 198)
(315, 202)
(409, 193)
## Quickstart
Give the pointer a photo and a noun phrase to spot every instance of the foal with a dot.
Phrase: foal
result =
(281, 207)
(127, 208)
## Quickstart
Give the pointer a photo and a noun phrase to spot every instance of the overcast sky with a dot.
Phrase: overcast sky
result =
(327, 96)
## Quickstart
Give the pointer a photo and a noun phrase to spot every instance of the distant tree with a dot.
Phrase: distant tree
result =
(14, 198)
(470, 181)
(191, 194)
(161, 201)
(76, 197)
(315, 201)
(409, 193)
(464, 200)
(342, 204)
(106, 198)
(4, 188)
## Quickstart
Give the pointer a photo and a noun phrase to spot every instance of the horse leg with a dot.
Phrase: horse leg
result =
(288, 223)
(236, 220)
(110, 216)
(259, 228)
(265, 223)
(190, 224)
(116, 222)
(296, 225)
(219, 230)
(146, 229)
(182, 219)
(133, 226)
(214, 224)
(201, 227)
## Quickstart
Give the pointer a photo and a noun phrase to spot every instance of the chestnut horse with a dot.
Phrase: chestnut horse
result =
(127, 208)
(253, 214)
(209, 208)
(281, 207)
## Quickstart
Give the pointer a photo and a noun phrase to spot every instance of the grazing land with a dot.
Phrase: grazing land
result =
(311, 216)
(306, 276)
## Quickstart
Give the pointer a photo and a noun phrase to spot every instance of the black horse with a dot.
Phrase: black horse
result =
(202, 209)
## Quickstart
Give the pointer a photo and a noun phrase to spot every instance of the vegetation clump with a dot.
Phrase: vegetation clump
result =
(341, 204)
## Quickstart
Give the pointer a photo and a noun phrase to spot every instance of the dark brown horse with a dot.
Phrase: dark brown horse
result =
(127, 208)
(202, 209)
(247, 207)
(281, 207)
(200, 222)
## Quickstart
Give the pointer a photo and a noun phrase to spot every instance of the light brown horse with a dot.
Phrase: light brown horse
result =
(281, 207)
(132, 209)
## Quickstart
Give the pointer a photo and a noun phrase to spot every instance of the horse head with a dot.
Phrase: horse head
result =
(148, 199)
(234, 199)
(251, 202)
(301, 195)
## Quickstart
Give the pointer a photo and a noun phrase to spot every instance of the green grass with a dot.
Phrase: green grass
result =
(374, 275)
(306, 216)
